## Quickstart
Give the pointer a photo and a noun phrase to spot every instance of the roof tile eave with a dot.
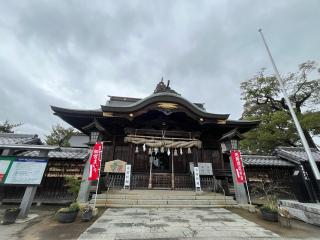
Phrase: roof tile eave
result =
(161, 97)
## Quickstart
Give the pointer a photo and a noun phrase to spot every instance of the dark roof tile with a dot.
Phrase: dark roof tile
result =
(259, 160)
(297, 154)
(65, 153)
(13, 138)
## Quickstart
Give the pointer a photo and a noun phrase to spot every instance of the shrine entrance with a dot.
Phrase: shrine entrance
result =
(161, 171)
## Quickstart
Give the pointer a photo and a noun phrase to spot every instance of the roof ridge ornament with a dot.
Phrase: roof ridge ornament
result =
(161, 87)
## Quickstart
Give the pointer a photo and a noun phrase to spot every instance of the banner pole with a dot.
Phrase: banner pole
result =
(245, 175)
(95, 197)
(248, 190)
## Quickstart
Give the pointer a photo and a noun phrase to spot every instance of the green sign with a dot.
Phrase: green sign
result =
(5, 165)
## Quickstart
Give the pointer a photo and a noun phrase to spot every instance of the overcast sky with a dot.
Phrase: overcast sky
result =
(74, 54)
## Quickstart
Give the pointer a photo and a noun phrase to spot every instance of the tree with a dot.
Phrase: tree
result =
(264, 102)
(7, 127)
(60, 136)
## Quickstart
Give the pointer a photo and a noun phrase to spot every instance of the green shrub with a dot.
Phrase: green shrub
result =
(73, 185)
(271, 205)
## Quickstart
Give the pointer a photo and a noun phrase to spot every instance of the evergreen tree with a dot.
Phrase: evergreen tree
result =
(60, 136)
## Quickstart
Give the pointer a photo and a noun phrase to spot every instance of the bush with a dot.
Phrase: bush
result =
(72, 208)
(73, 185)
(271, 205)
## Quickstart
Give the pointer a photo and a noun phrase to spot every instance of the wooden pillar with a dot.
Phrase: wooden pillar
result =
(150, 176)
(172, 169)
(113, 148)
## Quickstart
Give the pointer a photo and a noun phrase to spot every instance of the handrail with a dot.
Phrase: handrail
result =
(108, 188)
(215, 182)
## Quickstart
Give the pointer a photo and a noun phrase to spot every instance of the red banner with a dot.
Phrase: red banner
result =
(95, 161)
(238, 167)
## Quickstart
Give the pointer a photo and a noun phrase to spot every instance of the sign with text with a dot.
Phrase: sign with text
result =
(238, 167)
(5, 164)
(197, 178)
(115, 166)
(127, 176)
(26, 171)
(95, 161)
(205, 169)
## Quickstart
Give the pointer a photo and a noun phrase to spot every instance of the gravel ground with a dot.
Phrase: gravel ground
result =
(299, 230)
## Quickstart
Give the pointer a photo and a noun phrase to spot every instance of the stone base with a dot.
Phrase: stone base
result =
(307, 212)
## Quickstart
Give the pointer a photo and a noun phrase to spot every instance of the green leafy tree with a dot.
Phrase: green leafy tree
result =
(264, 102)
(7, 127)
(60, 136)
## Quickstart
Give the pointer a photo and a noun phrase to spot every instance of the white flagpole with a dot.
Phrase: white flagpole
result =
(293, 114)
(246, 181)
(95, 197)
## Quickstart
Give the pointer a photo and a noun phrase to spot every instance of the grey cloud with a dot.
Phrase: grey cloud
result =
(81, 51)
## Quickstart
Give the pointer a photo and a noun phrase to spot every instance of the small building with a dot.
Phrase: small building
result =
(61, 163)
(277, 170)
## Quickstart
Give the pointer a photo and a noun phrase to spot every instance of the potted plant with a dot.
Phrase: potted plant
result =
(68, 214)
(269, 210)
(10, 215)
(284, 217)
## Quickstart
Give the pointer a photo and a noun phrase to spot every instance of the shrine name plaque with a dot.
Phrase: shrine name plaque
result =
(115, 166)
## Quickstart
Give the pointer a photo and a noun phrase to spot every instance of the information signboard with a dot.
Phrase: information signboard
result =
(5, 164)
(26, 171)
(205, 169)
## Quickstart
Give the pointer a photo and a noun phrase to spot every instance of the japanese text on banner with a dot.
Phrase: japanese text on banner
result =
(95, 161)
(238, 167)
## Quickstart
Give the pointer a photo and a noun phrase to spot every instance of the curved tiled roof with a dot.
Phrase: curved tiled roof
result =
(259, 160)
(14, 138)
(165, 97)
(297, 154)
(64, 153)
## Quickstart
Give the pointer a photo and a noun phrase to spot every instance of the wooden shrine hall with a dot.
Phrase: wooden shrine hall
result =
(162, 136)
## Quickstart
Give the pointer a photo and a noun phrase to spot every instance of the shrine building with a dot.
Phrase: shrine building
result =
(162, 136)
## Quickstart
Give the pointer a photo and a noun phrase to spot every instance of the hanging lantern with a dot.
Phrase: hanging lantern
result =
(189, 151)
(168, 152)
(162, 149)
(144, 147)
(181, 152)
(150, 151)
(175, 153)
(137, 149)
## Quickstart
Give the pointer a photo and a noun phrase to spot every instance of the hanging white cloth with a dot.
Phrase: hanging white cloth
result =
(156, 162)
(158, 143)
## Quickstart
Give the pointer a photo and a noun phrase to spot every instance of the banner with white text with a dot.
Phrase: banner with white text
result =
(238, 166)
(95, 161)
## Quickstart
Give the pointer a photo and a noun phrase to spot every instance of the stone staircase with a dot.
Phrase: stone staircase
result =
(162, 198)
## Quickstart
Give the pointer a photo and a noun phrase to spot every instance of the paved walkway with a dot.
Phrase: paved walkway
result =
(174, 223)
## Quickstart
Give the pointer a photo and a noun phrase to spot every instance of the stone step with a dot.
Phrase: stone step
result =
(163, 202)
(163, 206)
(163, 197)
(161, 192)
